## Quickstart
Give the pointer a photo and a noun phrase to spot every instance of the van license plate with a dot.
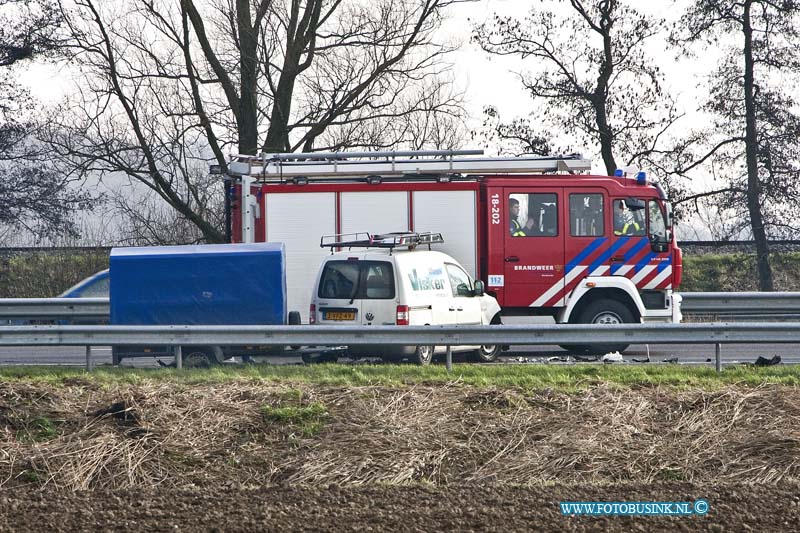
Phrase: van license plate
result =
(340, 315)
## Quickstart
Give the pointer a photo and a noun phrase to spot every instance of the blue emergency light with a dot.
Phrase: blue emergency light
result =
(641, 178)
(618, 173)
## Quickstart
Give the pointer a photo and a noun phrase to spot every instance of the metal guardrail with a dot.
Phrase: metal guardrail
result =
(54, 308)
(539, 334)
(752, 305)
(449, 336)
(741, 303)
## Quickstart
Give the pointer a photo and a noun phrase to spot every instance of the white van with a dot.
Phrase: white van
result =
(386, 280)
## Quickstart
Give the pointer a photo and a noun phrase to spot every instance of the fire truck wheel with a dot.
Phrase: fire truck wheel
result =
(606, 312)
(423, 355)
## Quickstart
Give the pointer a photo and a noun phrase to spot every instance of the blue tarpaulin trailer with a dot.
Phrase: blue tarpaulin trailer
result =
(215, 284)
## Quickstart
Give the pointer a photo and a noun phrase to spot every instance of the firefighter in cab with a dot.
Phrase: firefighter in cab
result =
(626, 221)
(515, 228)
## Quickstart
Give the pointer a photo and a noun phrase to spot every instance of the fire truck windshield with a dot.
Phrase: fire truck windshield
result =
(658, 223)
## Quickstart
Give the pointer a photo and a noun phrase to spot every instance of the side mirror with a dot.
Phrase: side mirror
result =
(479, 288)
(658, 245)
(634, 204)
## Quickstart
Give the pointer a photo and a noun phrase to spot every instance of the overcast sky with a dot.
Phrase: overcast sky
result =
(494, 80)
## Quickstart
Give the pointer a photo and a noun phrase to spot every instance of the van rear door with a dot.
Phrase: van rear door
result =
(353, 291)
(377, 293)
(336, 293)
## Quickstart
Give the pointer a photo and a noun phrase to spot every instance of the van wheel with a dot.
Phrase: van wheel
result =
(198, 357)
(488, 353)
(605, 312)
(423, 355)
(294, 320)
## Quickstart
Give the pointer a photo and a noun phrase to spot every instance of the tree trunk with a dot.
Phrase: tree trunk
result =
(606, 140)
(751, 151)
(248, 108)
(277, 140)
(601, 97)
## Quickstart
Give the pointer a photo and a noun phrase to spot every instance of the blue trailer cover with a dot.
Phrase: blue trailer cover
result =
(198, 285)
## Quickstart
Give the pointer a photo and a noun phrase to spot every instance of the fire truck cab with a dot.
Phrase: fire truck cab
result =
(544, 236)
(582, 249)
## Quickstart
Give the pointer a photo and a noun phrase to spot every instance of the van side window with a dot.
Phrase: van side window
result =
(533, 215)
(586, 215)
(460, 283)
(344, 280)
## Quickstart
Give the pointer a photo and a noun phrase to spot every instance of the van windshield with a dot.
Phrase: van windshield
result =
(347, 280)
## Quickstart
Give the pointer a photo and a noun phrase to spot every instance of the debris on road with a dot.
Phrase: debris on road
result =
(763, 361)
(612, 357)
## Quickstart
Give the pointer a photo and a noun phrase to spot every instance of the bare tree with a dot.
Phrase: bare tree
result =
(142, 220)
(34, 194)
(754, 138)
(169, 86)
(593, 83)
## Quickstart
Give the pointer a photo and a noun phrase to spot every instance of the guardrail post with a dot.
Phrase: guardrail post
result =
(89, 362)
(449, 359)
(718, 360)
(178, 357)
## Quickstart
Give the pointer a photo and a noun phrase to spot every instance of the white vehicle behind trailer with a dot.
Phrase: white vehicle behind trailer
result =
(386, 280)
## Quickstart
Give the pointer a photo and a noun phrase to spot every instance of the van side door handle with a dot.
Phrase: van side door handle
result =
(617, 259)
(512, 259)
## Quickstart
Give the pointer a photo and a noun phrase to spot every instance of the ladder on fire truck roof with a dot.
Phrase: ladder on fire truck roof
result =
(279, 167)
(402, 239)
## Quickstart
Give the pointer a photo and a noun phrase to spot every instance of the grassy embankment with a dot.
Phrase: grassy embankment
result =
(47, 274)
(737, 272)
(41, 275)
(523, 377)
(354, 425)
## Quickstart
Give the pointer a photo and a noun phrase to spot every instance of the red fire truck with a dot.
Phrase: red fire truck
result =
(546, 237)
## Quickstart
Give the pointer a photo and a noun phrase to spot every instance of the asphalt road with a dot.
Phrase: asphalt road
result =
(685, 354)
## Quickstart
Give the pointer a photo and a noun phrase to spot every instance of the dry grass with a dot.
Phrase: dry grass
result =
(229, 434)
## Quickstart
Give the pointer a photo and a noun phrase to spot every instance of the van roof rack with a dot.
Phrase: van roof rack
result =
(400, 239)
